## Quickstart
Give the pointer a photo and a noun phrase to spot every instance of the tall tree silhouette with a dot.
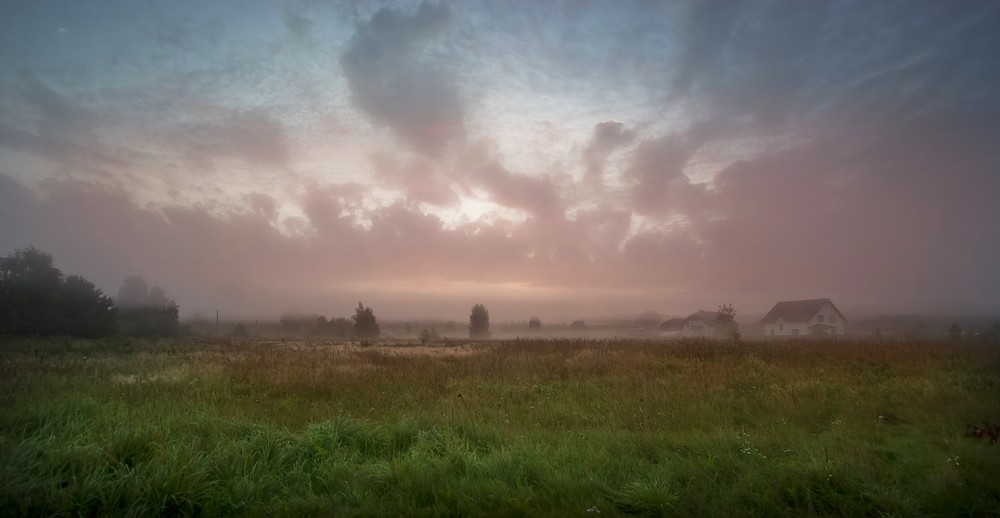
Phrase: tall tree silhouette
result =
(479, 322)
(35, 300)
(365, 325)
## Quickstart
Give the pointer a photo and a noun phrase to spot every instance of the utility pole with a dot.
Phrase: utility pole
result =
(216, 323)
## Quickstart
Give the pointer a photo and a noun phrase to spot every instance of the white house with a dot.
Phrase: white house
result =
(816, 317)
(703, 323)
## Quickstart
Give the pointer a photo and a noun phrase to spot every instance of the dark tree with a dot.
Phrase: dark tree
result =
(727, 321)
(341, 327)
(145, 312)
(365, 325)
(727, 315)
(85, 311)
(35, 300)
(578, 325)
(321, 327)
(534, 324)
(479, 322)
(29, 285)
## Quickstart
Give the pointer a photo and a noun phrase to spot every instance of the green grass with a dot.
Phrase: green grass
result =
(499, 428)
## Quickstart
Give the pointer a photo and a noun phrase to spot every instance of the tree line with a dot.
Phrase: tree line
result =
(363, 325)
(37, 300)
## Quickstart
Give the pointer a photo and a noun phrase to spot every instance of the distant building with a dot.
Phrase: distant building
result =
(816, 317)
(672, 327)
(703, 323)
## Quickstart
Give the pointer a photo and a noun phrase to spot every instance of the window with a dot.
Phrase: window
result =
(781, 327)
(795, 332)
(772, 331)
(819, 318)
(833, 318)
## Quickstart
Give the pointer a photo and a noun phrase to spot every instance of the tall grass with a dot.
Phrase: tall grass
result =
(498, 428)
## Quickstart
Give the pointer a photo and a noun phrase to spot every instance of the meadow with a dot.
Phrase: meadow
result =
(504, 428)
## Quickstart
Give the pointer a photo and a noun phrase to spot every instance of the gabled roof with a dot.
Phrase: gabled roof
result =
(710, 317)
(798, 310)
(674, 324)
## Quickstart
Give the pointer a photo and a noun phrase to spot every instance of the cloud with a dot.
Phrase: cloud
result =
(397, 83)
(420, 180)
(538, 196)
(57, 114)
(251, 135)
(64, 132)
(297, 24)
(658, 183)
(608, 136)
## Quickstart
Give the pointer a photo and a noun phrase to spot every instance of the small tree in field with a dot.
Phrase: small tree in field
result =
(365, 325)
(479, 322)
(727, 320)
(534, 324)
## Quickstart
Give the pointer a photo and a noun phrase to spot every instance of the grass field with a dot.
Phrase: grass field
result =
(499, 428)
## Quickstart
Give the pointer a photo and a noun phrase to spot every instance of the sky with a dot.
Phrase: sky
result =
(562, 159)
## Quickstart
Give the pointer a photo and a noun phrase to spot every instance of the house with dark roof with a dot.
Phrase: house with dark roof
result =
(671, 328)
(814, 317)
(705, 324)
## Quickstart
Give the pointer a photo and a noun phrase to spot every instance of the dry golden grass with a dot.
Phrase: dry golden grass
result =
(500, 427)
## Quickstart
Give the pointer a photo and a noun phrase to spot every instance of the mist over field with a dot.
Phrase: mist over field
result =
(560, 159)
(499, 258)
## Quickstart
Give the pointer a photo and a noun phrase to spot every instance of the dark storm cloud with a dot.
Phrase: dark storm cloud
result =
(396, 83)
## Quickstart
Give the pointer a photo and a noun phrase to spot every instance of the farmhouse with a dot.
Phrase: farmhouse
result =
(703, 323)
(671, 328)
(816, 317)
